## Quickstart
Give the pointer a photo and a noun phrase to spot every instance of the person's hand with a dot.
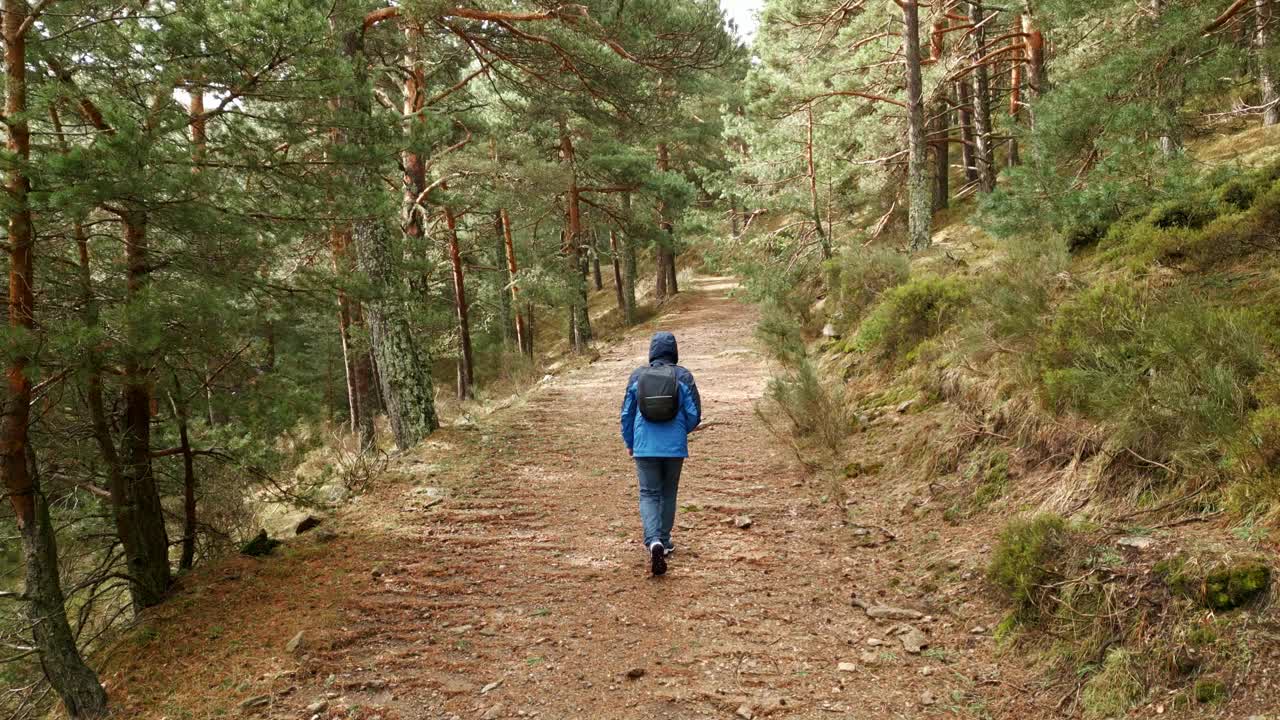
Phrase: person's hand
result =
(630, 452)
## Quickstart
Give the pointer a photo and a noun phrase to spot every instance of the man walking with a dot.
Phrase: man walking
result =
(659, 411)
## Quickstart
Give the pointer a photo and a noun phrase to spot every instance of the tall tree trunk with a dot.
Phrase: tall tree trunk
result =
(941, 144)
(522, 341)
(146, 540)
(404, 370)
(1017, 60)
(75, 683)
(920, 218)
(596, 275)
(815, 212)
(1037, 71)
(985, 151)
(660, 277)
(968, 143)
(504, 280)
(616, 262)
(1266, 72)
(179, 407)
(466, 368)
(529, 334)
(673, 284)
(355, 355)
(629, 272)
(579, 315)
(665, 261)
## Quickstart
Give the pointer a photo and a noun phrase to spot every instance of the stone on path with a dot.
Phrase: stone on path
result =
(914, 641)
(295, 643)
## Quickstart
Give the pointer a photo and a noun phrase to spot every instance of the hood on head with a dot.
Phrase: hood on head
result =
(663, 347)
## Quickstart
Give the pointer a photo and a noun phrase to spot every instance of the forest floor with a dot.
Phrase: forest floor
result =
(496, 572)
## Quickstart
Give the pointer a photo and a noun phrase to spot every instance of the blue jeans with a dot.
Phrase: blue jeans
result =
(659, 481)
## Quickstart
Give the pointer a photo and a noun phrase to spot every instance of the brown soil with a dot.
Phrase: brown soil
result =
(523, 591)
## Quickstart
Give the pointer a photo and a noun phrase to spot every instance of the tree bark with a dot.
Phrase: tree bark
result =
(665, 265)
(985, 152)
(1267, 83)
(941, 144)
(146, 541)
(596, 274)
(616, 263)
(579, 315)
(1037, 71)
(71, 679)
(968, 143)
(466, 368)
(355, 357)
(522, 340)
(504, 280)
(629, 274)
(920, 217)
(187, 561)
(404, 373)
(815, 211)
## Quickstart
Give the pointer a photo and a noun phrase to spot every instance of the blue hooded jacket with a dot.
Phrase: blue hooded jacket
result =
(669, 439)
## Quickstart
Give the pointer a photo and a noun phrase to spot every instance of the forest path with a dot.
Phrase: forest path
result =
(512, 582)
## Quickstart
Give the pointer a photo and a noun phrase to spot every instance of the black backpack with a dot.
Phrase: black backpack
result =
(658, 393)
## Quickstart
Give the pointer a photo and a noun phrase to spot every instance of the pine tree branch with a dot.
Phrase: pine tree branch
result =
(1226, 15)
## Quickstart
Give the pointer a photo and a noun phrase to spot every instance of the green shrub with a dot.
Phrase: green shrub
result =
(779, 332)
(909, 314)
(1239, 222)
(1023, 560)
(1085, 234)
(1015, 297)
(858, 276)
(1170, 375)
(1234, 585)
(1114, 688)
(1188, 212)
(991, 475)
(1255, 464)
(1210, 690)
(817, 410)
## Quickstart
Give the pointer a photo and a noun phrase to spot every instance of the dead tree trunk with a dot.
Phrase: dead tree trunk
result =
(75, 683)
(466, 371)
(920, 218)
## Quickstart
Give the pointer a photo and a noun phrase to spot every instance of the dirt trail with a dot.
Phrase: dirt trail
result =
(532, 577)
(503, 576)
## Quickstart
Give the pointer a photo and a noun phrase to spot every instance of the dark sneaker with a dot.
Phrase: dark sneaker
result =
(657, 559)
(668, 550)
